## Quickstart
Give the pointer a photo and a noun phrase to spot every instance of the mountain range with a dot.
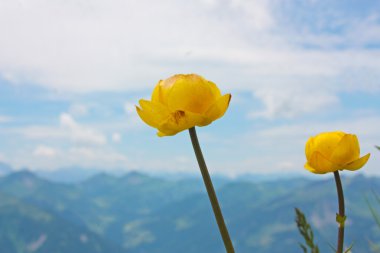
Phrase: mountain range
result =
(137, 213)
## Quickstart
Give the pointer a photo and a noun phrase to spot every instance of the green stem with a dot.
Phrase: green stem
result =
(211, 192)
(341, 213)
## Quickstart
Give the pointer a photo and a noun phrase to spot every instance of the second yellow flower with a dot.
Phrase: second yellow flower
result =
(332, 151)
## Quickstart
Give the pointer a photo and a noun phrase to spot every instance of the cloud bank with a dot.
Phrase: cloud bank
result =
(82, 46)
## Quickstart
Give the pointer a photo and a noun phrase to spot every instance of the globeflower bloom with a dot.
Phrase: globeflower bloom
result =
(182, 102)
(333, 151)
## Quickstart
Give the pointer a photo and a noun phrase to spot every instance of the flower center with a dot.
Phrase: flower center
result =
(177, 115)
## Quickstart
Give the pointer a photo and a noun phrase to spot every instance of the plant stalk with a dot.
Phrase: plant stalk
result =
(341, 213)
(211, 192)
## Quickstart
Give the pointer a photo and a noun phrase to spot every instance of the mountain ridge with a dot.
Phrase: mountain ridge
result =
(140, 213)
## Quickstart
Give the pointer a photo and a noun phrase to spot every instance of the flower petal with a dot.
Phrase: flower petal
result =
(326, 143)
(152, 113)
(214, 89)
(320, 164)
(346, 151)
(160, 92)
(309, 148)
(357, 164)
(161, 134)
(181, 120)
(311, 169)
(218, 109)
(191, 93)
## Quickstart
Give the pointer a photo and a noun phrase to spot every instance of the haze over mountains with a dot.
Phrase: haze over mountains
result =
(137, 213)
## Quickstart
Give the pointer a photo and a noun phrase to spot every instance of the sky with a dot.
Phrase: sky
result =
(71, 73)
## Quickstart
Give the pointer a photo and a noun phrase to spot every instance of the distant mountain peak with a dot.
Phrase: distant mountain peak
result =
(99, 178)
(5, 168)
(135, 178)
(135, 173)
(23, 178)
(23, 174)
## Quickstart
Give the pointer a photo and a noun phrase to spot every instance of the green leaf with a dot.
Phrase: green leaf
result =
(378, 147)
(303, 247)
(332, 248)
(374, 247)
(349, 248)
(376, 196)
(373, 212)
(375, 215)
(306, 232)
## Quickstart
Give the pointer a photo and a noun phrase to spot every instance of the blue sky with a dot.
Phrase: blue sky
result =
(72, 71)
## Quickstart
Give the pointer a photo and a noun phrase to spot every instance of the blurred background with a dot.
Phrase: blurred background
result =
(82, 173)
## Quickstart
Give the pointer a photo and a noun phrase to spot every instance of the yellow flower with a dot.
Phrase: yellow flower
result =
(332, 151)
(181, 102)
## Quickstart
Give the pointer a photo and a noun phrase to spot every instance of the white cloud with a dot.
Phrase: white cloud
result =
(82, 156)
(5, 119)
(209, 3)
(286, 165)
(101, 158)
(69, 143)
(368, 26)
(79, 133)
(45, 151)
(257, 13)
(66, 120)
(116, 137)
(93, 46)
(116, 44)
(68, 130)
(78, 110)
(176, 164)
(41, 132)
(84, 152)
(129, 108)
(288, 104)
(367, 127)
